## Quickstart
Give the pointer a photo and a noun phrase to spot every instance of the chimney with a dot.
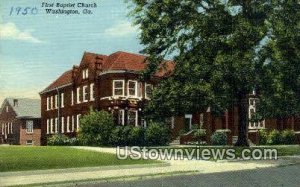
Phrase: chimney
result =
(74, 71)
(99, 63)
(16, 102)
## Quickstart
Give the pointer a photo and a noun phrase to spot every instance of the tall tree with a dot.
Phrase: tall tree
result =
(214, 44)
(279, 61)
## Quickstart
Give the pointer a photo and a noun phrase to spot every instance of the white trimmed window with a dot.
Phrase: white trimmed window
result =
(72, 97)
(7, 128)
(48, 126)
(62, 124)
(121, 117)
(56, 101)
(11, 128)
(73, 124)
(148, 90)
(85, 93)
(78, 95)
(85, 73)
(51, 102)
(2, 127)
(92, 98)
(51, 125)
(68, 123)
(118, 87)
(6, 108)
(48, 103)
(78, 121)
(29, 142)
(132, 118)
(56, 125)
(188, 119)
(62, 100)
(29, 126)
(132, 88)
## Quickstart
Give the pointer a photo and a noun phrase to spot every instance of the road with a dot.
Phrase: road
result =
(278, 176)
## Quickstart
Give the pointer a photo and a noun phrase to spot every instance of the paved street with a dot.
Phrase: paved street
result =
(279, 176)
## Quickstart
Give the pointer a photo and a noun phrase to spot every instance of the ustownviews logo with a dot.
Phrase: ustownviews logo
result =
(196, 153)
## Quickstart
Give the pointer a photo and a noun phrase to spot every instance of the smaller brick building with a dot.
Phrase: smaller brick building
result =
(20, 121)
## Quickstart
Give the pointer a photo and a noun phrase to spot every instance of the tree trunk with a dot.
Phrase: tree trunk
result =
(243, 125)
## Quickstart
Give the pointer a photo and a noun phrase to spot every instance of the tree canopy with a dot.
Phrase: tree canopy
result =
(220, 49)
(280, 63)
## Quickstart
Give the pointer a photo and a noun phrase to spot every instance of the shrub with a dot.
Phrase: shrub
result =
(219, 138)
(116, 137)
(274, 138)
(199, 134)
(195, 126)
(288, 137)
(61, 139)
(263, 136)
(74, 141)
(137, 136)
(127, 135)
(96, 128)
(157, 134)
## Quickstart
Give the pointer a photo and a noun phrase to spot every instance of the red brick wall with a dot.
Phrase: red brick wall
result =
(9, 117)
(35, 136)
(103, 86)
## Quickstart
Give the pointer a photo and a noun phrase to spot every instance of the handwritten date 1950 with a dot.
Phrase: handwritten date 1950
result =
(23, 11)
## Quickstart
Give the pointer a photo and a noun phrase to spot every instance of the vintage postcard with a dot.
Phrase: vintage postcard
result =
(149, 93)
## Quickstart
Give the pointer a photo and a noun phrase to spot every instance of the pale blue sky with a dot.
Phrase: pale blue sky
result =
(36, 49)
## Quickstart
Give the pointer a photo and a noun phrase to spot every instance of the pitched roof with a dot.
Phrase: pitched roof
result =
(116, 61)
(91, 58)
(125, 61)
(25, 108)
(64, 79)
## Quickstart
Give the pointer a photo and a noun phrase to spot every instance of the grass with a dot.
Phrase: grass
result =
(20, 158)
(281, 150)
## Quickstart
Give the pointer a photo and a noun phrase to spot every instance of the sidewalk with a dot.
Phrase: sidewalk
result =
(98, 173)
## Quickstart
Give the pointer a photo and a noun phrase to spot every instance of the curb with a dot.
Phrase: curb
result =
(81, 169)
(293, 159)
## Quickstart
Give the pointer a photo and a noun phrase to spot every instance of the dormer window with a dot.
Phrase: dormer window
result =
(85, 73)
(118, 87)
(132, 88)
(6, 108)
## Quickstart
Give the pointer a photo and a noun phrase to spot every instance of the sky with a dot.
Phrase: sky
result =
(37, 48)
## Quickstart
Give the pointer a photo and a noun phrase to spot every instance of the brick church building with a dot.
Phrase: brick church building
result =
(100, 82)
(111, 83)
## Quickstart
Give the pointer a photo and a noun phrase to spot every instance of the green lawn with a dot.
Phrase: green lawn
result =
(281, 150)
(19, 158)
